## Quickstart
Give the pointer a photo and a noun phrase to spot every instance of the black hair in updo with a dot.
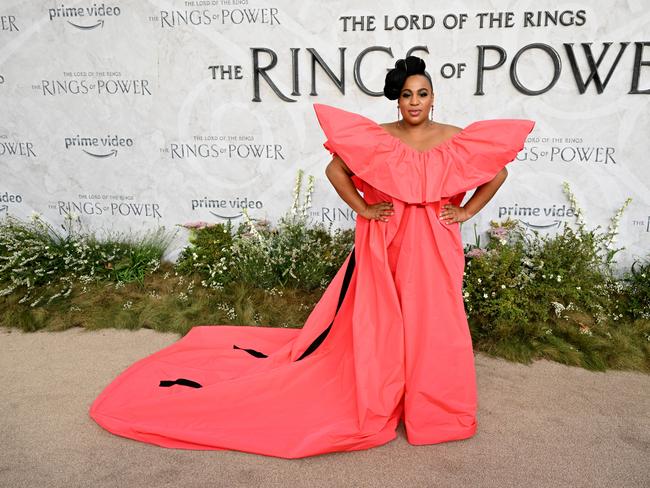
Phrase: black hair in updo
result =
(404, 68)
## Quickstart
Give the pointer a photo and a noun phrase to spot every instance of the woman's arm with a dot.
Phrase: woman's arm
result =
(484, 193)
(339, 175)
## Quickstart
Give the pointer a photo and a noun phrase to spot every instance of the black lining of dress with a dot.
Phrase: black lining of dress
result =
(252, 352)
(181, 381)
(321, 337)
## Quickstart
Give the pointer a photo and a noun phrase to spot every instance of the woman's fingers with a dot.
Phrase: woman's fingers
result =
(382, 211)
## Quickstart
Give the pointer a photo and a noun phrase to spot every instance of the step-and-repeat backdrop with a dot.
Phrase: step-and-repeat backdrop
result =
(135, 114)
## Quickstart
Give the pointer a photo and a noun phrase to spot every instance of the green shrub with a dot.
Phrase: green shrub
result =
(528, 295)
(294, 254)
(209, 254)
(35, 257)
(637, 290)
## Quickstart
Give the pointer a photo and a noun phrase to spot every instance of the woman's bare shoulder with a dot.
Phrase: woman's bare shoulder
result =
(389, 126)
(451, 129)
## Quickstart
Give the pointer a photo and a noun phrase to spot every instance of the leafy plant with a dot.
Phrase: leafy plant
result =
(295, 253)
(43, 263)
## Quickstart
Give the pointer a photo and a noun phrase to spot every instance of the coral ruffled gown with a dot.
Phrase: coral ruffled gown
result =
(388, 340)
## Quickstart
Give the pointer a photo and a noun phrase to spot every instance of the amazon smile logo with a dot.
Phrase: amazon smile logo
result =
(99, 147)
(77, 16)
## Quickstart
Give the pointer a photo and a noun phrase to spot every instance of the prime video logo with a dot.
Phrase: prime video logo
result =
(74, 12)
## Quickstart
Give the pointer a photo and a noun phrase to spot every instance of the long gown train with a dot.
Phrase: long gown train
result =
(388, 340)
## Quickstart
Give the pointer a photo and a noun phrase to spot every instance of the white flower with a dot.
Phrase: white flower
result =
(558, 308)
(485, 295)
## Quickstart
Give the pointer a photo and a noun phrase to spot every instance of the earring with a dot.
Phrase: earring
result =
(398, 115)
(431, 113)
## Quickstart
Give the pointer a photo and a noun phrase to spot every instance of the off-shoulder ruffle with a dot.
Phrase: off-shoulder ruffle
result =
(469, 159)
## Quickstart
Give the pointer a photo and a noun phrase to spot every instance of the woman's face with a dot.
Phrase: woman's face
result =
(415, 99)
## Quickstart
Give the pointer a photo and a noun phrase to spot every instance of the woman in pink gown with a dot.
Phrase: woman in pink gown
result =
(387, 341)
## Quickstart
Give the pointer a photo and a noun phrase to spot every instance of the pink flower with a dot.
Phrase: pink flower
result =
(196, 225)
(476, 252)
(499, 232)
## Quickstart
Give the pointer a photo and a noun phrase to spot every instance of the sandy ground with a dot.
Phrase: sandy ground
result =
(541, 425)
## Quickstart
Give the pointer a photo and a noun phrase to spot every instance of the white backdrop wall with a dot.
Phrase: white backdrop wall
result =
(137, 114)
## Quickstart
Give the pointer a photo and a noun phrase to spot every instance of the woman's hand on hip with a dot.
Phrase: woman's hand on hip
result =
(450, 214)
(378, 211)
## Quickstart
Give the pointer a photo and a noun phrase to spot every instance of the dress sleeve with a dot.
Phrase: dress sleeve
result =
(358, 182)
(357, 140)
(477, 153)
